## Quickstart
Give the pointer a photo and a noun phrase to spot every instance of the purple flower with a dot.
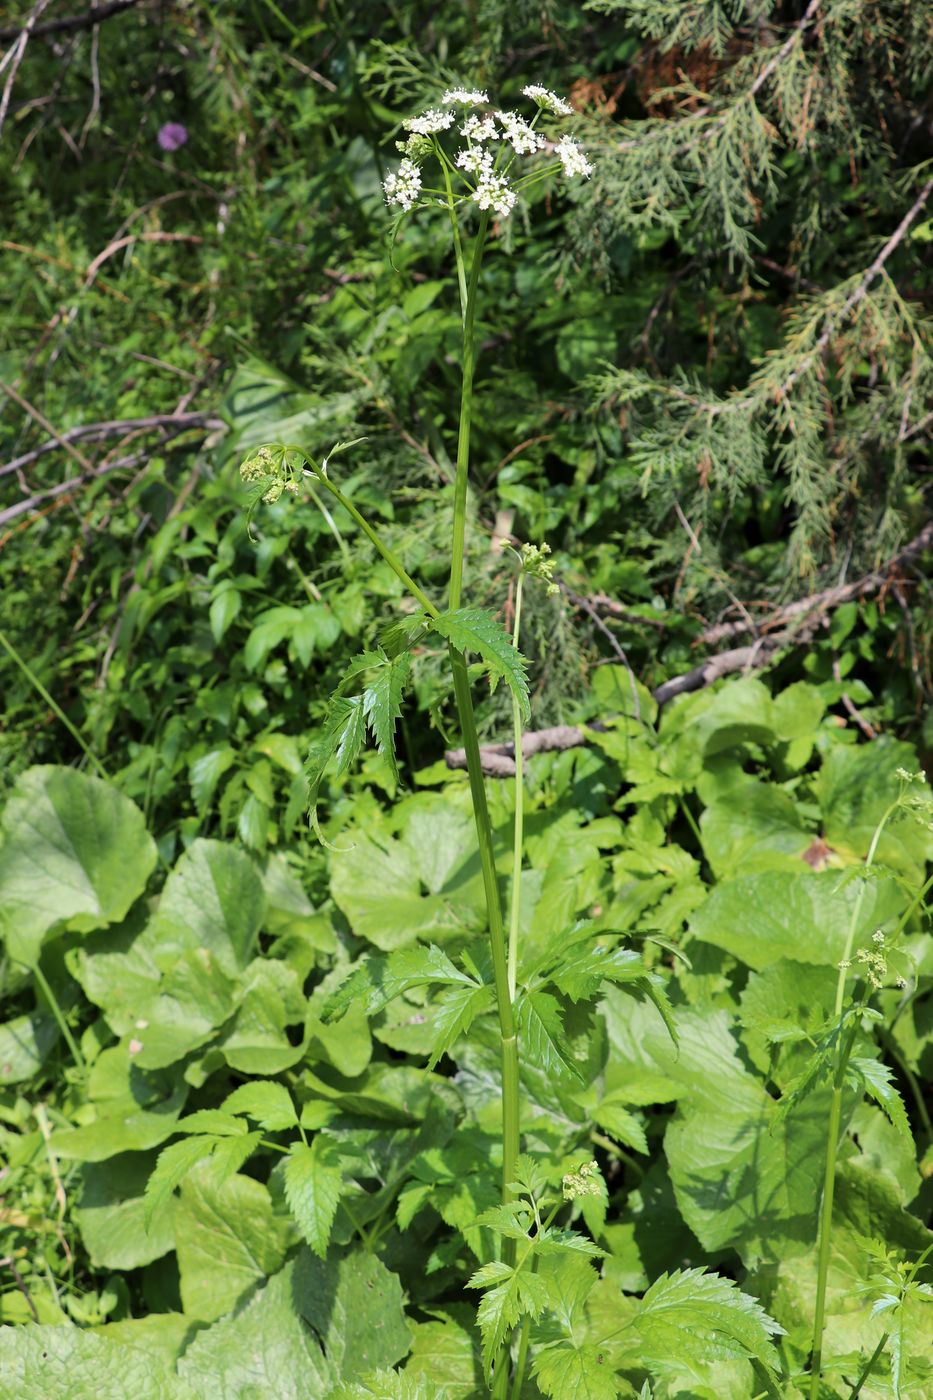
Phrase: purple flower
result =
(172, 135)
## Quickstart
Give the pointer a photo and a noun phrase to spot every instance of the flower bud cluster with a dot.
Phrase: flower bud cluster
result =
(585, 1181)
(268, 468)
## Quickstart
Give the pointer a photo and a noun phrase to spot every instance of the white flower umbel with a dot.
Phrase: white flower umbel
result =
(518, 133)
(404, 186)
(466, 97)
(477, 162)
(495, 192)
(547, 99)
(572, 157)
(429, 122)
(477, 128)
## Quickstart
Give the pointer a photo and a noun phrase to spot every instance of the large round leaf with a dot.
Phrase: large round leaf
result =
(74, 851)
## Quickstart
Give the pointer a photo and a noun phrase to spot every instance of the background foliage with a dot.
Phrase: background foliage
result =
(706, 382)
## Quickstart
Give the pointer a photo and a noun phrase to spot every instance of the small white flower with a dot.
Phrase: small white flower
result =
(429, 122)
(477, 162)
(520, 135)
(495, 192)
(467, 97)
(477, 128)
(572, 157)
(547, 99)
(404, 186)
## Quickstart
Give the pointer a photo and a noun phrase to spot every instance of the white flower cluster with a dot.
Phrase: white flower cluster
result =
(476, 162)
(547, 99)
(466, 97)
(429, 122)
(477, 128)
(494, 192)
(519, 134)
(404, 186)
(572, 157)
(492, 189)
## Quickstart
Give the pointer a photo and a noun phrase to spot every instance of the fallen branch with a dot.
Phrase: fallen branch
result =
(97, 432)
(69, 23)
(818, 603)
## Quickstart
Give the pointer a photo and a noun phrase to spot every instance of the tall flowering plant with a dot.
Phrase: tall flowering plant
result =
(473, 162)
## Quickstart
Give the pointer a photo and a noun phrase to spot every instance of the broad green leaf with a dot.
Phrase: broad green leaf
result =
(806, 917)
(205, 773)
(193, 998)
(475, 630)
(74, 851)
(257, 1041)
(263, 1350)
(741, 1179)
(756, 826)
(313, 1181)
(269, 1103)
(570, 1372)
(224, 610)
(386, 1385)
(445, 1359)
(24, 1043)
(691, 1318)
(227, 1240)
(212, 899)
(355, 1304)
(866, 1208)
(38, 1363)
(131, 1122)
(110, 1214)
(380, 884)
(855, 786)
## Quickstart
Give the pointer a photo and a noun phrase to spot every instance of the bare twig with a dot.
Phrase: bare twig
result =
(849, 705)
(826, 599)
(69, 23)
(14, 55)
(118, 427)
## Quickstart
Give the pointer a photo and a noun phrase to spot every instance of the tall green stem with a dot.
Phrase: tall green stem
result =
(466, 420)
(518, 832)
(835, 1120)
(507, 1036)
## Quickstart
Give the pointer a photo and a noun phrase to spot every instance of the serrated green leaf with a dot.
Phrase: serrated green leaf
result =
(227, 1240)
(455, 1014)
(211, 1120)
(379, 980)
(510, 1294)
(475, 630)
(541, 1024)
(37, 1363)
(620, 1124)
(878, 1082)
(382, 702)
(266, 1101)
(570, 1372)
(694, 1316)
(173, 1165)
(313, 1180)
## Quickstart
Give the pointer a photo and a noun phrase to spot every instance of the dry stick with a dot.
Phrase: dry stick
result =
(43, 422)
(14, 56)
(117, 427)
(69, 22)
(828, 597)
